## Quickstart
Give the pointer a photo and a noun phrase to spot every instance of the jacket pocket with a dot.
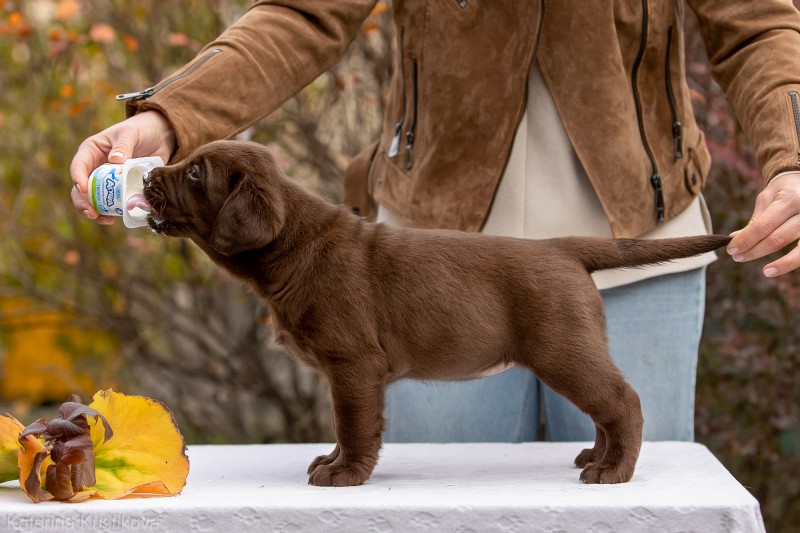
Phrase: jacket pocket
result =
(794, 108)
(677, 128)
(150, 91)
(405, 130)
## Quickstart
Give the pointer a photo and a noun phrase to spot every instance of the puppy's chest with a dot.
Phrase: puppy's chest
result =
(297, 346)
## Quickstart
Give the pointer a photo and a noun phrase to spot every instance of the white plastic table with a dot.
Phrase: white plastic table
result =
(532, 487)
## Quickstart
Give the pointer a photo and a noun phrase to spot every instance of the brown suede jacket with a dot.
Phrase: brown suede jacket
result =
(615, 69)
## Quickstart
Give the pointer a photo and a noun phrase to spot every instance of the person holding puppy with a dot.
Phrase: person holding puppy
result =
(531, 119)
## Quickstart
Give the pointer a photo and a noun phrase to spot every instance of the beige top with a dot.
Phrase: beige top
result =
(544, 192)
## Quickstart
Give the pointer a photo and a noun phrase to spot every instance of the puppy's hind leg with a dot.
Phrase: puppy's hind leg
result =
(573, 360)
(594, 454)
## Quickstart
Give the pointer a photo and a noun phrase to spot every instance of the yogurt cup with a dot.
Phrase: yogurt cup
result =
(112, 186)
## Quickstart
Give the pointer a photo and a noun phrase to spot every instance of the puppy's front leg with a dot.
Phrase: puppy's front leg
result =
(358, 423)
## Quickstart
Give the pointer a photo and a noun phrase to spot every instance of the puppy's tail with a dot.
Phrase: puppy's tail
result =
(600, 254)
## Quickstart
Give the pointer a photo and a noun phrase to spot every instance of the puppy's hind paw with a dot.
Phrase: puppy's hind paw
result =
(589, 455)
(338, 474)
(323, 460)
(605, 474)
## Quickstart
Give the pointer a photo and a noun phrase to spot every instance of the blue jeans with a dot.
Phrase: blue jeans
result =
(654, 329)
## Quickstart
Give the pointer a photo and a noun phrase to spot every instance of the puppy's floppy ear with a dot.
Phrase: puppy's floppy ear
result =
(250, 218)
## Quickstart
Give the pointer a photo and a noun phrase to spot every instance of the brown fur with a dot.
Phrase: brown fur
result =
(367, 304)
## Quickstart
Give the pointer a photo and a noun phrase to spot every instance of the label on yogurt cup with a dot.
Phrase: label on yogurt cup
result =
(105, 188)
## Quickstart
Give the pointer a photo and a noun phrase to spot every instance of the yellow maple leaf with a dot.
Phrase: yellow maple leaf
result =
(147, 454)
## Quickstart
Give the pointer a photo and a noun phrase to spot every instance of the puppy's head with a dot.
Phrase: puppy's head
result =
(227, 195)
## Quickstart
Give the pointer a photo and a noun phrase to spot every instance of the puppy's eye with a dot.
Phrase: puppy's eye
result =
(193, 173)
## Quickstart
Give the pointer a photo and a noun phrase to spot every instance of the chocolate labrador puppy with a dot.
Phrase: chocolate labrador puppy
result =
(367, 304)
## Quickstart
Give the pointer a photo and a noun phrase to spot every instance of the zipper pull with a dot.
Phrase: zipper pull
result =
(409, 150)
(394, 148)
(655, 180)
(677, 134)
(140, 94)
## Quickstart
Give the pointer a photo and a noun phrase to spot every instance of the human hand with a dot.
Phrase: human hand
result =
(143, 135)
(775, 223)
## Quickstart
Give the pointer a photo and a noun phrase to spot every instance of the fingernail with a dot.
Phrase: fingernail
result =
(734, 233)
(116, 154)
(770, 272)
(738, 258)
(86, 213)
(733, 251)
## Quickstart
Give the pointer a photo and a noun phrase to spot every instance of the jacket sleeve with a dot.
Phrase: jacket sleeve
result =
(754, 50)
(274, 50)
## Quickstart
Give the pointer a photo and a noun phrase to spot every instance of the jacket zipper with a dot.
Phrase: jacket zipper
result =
(655, 179)
(394, 147)
(150, 91)
(793, 96)
(462, 3)
(413, 125)
(677, 133)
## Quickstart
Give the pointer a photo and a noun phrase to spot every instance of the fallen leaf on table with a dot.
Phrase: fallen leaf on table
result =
(146, 457)
(78, 456)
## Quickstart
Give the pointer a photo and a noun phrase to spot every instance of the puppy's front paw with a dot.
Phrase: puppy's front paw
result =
(338, 474)
(606, 473)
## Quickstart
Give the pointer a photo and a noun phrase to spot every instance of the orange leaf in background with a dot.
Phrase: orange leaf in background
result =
(72, 257)
(66, 91)
(56, 34)
(76, 108)
(102, 33)
(18, 24)
(130, 42)
(178, 39)
(67, 9)
(15, 19)
(370, 27)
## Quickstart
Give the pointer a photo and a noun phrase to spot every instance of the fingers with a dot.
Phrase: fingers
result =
(121, 151)
(775, 241)
(113, 145)
(785, 264)
(90, 155)
(775, 224)
(80, 201)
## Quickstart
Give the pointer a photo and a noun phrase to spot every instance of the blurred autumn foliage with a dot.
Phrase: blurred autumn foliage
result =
(84, 306)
